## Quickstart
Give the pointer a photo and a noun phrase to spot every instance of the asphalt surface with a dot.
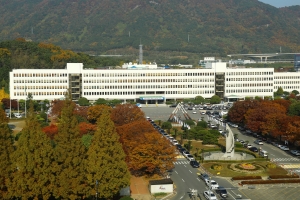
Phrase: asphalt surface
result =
(185, 177)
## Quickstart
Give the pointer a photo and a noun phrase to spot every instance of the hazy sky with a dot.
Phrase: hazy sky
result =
(281, 3)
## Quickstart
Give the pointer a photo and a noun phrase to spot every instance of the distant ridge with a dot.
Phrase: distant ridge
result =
(218, 27)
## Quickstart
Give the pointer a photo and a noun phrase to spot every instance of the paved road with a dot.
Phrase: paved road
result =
(185, 177)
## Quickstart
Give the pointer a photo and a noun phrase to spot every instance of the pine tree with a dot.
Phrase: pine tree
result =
(33, 159)
(69, 156)
(6, 150)
(106, 160)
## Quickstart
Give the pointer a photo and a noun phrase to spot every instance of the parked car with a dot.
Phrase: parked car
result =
(209, 195)
(204, 176)
(202, 113)
(295, 152)
(212, 184)
(194, 164)
(258, 142)
(194, 112)
(222, 192)
(190, 157)
(185, 153)
(254, 149)
(284, 148)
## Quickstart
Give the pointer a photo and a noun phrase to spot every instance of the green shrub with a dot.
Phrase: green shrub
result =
(160, 194)
(217, 167)
(271, 166)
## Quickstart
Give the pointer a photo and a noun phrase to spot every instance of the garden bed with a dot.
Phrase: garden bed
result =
(283, 176)
(236, 178)
(270, 181)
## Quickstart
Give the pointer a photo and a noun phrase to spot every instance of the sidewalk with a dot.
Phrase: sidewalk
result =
(139, 189)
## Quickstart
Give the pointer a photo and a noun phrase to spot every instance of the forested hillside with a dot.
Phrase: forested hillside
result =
(19, 54)
(206, 27)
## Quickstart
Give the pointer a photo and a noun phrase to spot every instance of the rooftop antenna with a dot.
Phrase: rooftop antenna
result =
(141, 53)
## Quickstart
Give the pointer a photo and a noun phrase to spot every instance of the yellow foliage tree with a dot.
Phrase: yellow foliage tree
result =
(3, 94)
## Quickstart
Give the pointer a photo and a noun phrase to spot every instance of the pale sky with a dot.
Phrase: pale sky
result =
(281, 3)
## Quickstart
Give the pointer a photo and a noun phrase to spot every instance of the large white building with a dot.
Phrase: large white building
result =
(149, 84)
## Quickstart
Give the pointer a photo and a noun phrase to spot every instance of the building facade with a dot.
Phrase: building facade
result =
(150, 84)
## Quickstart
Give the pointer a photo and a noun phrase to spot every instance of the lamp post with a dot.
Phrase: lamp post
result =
(97, 189)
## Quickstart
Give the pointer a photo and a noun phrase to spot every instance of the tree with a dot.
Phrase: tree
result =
(69, 156)
(105, 161)
(239, 109)
(294, 109)
(100, 101)
(94, 112)
(33, 162)
(279, 91)
(202, 124)
(166, 125)
(51, 131)
(126, 113)
(87, 128)
(83, 101)
(6, 151)
(296, 92)
(215, 99)
(199, 100)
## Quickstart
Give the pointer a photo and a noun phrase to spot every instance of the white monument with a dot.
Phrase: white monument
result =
(229, 143)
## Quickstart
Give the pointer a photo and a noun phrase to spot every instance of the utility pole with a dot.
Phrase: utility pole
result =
(97, 189)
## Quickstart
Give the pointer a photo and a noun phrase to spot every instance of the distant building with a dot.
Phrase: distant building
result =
(297, 62)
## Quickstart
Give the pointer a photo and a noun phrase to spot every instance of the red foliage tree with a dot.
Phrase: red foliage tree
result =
(87, 128)
(239, 109)
(51, 130)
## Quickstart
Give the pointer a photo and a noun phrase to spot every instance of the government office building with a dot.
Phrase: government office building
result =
(149, 83)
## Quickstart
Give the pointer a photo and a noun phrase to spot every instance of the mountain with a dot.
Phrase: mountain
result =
(206, 27)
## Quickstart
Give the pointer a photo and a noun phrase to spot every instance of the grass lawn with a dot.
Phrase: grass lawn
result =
(227, 172)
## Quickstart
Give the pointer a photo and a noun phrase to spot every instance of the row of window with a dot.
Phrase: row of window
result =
(249, 84)
(287, 87)
(142, 74)
(248, 90)
(286, 82)
(248, 73)
(286, 77)
(143, 93)
(40, 75)
(39, 93)
(251, 79)
(147, 80)
(111, 87)
(42, 81)
(39, 87)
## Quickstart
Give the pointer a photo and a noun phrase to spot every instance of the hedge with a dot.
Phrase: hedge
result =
(245, 178)
(283, 176)
(237, 161)
(270, 181)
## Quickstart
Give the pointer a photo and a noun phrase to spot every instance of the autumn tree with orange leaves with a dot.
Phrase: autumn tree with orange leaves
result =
(126, 113)
(94, 112)
(237, 112)
(147, 151)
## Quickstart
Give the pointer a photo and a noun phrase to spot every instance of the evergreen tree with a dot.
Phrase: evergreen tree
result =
(6, 150)
(69, 155)
(33, 159)
(106, 160)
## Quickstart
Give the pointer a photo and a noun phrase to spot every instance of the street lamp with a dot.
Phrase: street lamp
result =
(97, 189)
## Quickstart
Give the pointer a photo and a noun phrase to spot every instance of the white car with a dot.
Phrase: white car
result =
(190, 157)
(212, 184)
(18, 115)
(186, 153)
(258, 142)
(194, 112)
(209, 195)
(284, 148)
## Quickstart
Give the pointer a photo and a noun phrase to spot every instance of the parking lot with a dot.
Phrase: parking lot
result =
(272, 192)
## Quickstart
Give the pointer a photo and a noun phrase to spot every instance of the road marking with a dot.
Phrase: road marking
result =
(231, 196)
(198, 179)
(190, 171)
(184, 165)
(181, 197)
(176, 172)
(182, 180)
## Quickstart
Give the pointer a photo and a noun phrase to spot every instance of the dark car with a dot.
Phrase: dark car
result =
(181, 150)
(178, 146)
(194, 164)
(254, 149)
(222, 192)
(204, 176)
